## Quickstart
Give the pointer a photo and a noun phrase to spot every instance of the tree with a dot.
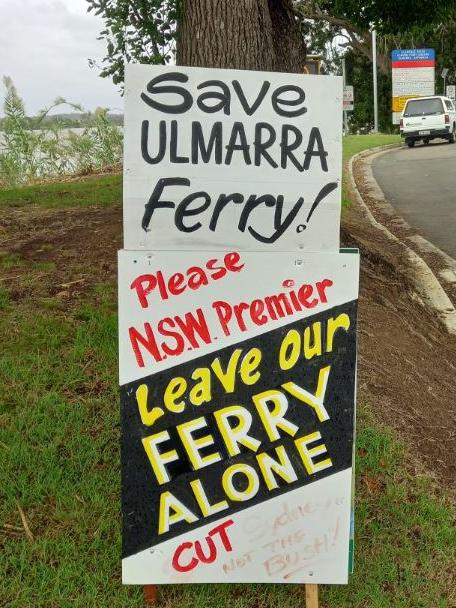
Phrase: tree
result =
(353, 20)
(249, 34)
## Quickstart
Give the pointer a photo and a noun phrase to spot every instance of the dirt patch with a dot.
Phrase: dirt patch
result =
(386, 215)
(407, 364)
(68, 250)
(407, 361)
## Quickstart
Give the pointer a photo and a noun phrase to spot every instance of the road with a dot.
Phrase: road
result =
(420, 183)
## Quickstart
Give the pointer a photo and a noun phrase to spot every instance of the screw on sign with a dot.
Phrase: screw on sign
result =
(237, 331)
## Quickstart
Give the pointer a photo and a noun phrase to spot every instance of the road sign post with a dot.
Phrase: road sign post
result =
(413, 75)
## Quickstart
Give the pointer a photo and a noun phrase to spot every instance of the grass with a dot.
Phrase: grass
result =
(100, 191)
(59, 437)
(353, 144)
(106, 190)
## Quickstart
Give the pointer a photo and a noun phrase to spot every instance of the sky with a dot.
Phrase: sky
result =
(45, 46)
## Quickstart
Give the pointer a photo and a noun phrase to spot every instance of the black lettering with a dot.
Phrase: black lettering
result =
(249, 110)
(288, 147)
(279, 225)
(224, 97)
(277, 101)
(153, 160)
(238, 130)
(320, 196)
(199, 146)
(222, 202)
(261, 146)
(154, 201)
(173, 154)
(153, 89)
(252, 202)
(315, 138)
(182, 211)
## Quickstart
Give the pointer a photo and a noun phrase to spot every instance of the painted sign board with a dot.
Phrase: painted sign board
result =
(349, 98)
(237, 373)
(451, 91)
(413, 75)
(230, 159)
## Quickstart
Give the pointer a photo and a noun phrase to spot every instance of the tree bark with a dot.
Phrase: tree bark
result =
(240, 34)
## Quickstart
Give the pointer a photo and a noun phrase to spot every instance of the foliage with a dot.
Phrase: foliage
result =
(135, 30)
(387, 16)
(28, 154)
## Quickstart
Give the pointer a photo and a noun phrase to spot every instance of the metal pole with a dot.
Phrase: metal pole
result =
(344, 79)
(374, 72)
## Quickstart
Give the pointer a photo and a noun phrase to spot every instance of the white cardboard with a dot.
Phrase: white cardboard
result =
(323, 103)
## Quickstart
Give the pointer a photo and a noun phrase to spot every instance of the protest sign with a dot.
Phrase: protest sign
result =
(237, 373)
(229, 159)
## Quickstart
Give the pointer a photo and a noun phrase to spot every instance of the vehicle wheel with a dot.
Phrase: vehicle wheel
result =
(411, 143)
(452, 135)
(426, 142)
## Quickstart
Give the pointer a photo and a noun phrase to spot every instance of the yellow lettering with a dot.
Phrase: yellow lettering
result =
(274, 419)
(192, 445)
(283, 468)
(233, 436)
(168, 503)
(307, 454)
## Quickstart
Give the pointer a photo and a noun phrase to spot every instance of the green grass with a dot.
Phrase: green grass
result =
(59, 435)
(102, 191)
(106, 191)
(353, 144)
(59, 438)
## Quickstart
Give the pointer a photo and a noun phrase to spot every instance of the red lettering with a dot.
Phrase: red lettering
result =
(194, 277)
(144, 285)
(321, 287)
(304, 293)
(221, 530)
(256, 312)
(148, 342)
(179, 348)
(162, 285)
(220, 271)
(183, 567)
(212, 551)
(231, 259)
(189, 326)
(175, 282)
(224, 314)
(201, 557)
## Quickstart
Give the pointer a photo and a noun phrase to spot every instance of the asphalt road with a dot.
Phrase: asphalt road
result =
(420, 183)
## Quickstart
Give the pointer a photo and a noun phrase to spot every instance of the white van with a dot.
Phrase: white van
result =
(426, 118)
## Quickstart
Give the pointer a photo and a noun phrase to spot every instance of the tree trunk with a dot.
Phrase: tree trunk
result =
(240, 34)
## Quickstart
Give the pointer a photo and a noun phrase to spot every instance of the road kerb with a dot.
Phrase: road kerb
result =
(425, 283)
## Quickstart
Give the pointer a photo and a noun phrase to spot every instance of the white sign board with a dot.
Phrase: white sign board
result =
(451, 91)
(237, 374)
(413, 75)
(349, 98)
(223, 159)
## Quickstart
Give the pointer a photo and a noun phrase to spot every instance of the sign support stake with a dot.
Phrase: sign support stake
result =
(311, 596)
(150, 595)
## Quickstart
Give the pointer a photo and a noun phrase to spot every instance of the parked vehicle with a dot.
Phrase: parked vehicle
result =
(426, 118)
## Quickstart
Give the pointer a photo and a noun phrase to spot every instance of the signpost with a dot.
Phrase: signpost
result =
(413, 75)
(451, 91)
(349, 98)
(237, 330)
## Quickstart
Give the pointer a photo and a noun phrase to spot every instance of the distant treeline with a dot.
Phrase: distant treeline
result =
(66, 120)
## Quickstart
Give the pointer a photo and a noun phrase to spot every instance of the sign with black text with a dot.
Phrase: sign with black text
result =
(237, 373)
(230, 159)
